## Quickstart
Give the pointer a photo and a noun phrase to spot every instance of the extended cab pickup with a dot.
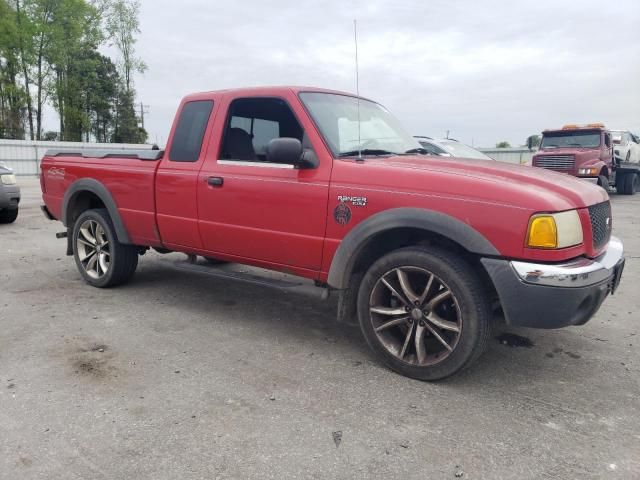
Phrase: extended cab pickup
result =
(330, 187)
(587, 152)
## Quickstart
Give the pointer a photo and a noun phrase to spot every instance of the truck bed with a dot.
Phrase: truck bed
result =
(128, 176)
(629, 166)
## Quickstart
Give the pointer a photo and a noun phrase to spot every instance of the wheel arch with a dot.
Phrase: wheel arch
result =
(88, 193)
(392, 229)
(406, 226)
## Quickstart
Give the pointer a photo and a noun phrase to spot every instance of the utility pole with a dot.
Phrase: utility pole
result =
(143, 109)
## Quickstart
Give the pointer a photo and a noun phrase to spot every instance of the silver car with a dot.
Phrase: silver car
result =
(9, 195)
(448, 147)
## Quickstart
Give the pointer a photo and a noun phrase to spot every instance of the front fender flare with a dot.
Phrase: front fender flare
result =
(99, 190)
(353, 243)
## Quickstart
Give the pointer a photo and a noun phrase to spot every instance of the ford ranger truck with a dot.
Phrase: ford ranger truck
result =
(587, 152)
(330, 187)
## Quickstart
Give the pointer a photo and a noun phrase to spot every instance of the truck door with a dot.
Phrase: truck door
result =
(177, 176)
(261, 211)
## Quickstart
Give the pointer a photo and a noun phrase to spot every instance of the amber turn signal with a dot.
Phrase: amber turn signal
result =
(543, 232)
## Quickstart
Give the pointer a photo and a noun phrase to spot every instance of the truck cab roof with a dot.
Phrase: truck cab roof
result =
(264, 90)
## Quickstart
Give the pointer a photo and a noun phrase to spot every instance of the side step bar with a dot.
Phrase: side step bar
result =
(276, 280)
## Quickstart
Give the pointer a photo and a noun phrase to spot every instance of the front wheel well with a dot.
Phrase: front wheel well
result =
(394, 239)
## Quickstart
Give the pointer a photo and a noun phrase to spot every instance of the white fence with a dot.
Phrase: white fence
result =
(23, 156)
(519, 156)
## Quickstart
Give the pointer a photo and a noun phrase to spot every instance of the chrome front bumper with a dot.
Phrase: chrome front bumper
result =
(578, 273)
(555, 295)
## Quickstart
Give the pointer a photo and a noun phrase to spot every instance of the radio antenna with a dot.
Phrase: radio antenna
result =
(355, 39)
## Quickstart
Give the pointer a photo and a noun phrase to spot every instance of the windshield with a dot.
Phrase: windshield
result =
(337, 119)
(576, 138)
(616, 137)
(461, 150)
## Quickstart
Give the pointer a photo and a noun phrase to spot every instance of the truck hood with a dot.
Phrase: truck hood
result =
(497, 182)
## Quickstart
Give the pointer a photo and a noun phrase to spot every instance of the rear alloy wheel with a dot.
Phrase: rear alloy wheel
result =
(93, 249)
(101, 259)
(424, 312)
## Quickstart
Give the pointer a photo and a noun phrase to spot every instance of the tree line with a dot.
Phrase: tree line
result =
(49, 55)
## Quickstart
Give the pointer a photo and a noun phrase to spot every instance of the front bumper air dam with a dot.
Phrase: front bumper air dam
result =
(556, 295)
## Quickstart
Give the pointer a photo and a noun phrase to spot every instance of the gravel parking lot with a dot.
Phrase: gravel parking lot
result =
(186, 376)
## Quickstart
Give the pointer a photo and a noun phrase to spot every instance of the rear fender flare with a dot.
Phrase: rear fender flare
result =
(100, 191)
(449, 227)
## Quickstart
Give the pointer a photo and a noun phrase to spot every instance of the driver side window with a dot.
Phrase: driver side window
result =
(252, 123)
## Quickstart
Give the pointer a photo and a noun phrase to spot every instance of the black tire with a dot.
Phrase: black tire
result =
(471, 303)
(631, 184)
(123, 258)
(9, 215)
(603, 181)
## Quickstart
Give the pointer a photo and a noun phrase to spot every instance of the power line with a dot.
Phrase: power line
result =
(144, 109)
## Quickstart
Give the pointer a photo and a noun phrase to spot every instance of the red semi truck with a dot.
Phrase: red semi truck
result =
(422, 250)
(586, 151)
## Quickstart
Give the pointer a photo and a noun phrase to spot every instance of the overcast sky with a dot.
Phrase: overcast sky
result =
(484, 70)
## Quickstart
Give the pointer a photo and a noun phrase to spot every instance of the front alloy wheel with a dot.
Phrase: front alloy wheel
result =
(415, 315)
(424, 312)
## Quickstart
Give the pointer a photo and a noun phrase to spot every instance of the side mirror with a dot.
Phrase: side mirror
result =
(607, 141)
(530, 143)
(288, 151)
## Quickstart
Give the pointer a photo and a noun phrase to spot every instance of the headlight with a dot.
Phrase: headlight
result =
(588, 171)
(555, 230)
(8, 179)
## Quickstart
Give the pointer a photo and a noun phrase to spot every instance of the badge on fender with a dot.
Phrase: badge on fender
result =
(342, 214)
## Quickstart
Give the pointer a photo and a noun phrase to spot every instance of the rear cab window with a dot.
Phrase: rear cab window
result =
(189, 134)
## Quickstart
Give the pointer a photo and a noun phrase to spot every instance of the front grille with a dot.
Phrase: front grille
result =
(555, 162)
(601, 223)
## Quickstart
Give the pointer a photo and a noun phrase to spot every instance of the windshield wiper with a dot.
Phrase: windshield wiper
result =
(419, 150)
(366, 151)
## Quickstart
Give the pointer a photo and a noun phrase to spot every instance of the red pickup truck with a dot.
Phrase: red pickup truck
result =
(328, 186)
